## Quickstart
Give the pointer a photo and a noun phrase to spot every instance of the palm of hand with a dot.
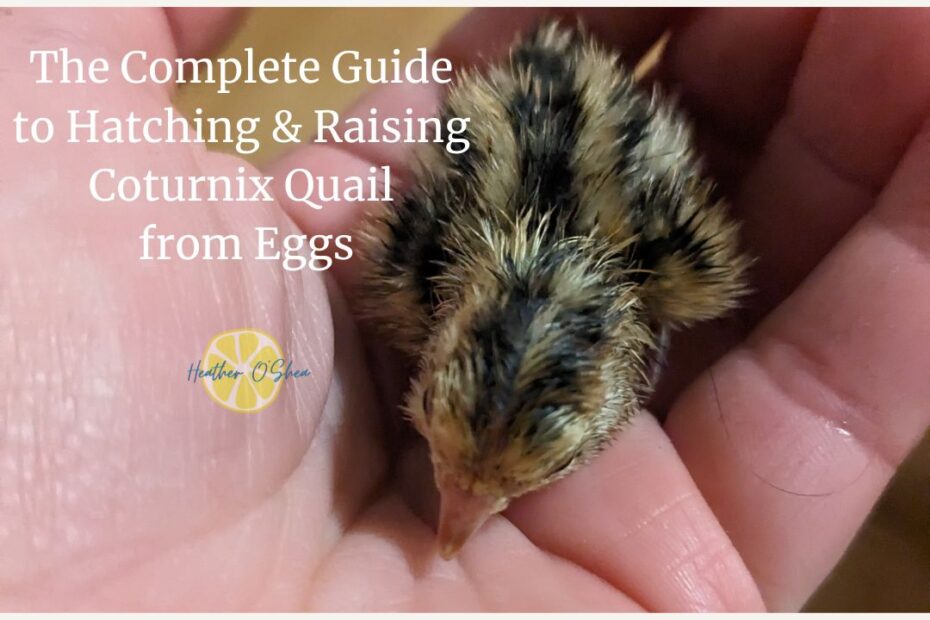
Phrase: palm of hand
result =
(123, 494)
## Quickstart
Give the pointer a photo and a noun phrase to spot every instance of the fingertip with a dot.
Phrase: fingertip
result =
(200, 31)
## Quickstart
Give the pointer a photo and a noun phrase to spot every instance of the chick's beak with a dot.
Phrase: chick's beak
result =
(460, 514)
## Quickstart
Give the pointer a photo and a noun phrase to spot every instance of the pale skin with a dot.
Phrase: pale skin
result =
(122, 487)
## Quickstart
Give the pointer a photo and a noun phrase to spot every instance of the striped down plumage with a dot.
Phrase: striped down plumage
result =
(532, 274)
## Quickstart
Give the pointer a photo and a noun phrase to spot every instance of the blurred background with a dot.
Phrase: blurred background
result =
(888, 566)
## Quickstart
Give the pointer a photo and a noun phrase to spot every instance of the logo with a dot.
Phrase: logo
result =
(243, 370)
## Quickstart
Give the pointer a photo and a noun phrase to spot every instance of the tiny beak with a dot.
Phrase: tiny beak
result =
(460, 514)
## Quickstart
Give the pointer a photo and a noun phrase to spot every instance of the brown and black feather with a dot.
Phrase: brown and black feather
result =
(532, 274)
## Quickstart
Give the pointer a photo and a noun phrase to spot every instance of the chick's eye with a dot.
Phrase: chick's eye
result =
(427, 399)
(562, 466)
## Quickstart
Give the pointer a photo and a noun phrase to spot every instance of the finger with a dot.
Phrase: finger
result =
(734, 67)
(825, 399)
(92, 30)
(635, 517)
(112, 454)
(860, 90)
(648, 534)
(200, 31)
(400, 533)
(860, 95)
(482, 33)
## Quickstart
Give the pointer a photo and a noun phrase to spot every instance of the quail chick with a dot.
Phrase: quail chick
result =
(533, 275)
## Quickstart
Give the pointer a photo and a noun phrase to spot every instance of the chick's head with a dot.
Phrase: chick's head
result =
(522, 383)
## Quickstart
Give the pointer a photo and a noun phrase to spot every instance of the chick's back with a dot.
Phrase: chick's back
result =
(563, 143)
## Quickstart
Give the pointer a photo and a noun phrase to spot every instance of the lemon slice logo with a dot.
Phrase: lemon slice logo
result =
(245, 356)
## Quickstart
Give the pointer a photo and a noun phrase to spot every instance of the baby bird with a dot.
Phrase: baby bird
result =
(534, 275)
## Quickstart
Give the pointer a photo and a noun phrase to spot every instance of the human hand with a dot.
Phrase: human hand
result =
(119, 490)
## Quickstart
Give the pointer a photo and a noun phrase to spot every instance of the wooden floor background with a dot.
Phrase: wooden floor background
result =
(886, 569)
